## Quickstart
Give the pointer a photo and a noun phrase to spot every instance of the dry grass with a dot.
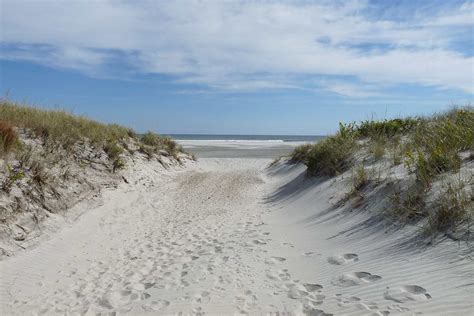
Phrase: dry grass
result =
(453, 206)
(60, 126)
(359, 180)
(66, 129)
(8, 137)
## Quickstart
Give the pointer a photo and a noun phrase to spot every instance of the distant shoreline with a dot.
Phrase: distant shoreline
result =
(236, 138)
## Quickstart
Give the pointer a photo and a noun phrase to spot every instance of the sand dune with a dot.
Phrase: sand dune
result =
(226, 236)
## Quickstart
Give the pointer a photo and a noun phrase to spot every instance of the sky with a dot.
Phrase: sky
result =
(238, 67)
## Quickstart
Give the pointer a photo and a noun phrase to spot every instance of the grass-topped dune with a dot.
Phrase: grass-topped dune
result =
(49, 160)
(60, 128)
(428, 163)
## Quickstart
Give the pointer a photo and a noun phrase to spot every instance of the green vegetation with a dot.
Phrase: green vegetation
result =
(66, 130)
(60, 126)
(152, 143)
(434, 146)
(300, 153)
(453, 206)
(359, 180)
(332, 155)
(427, 146)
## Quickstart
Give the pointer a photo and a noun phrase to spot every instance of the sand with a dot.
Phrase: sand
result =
(232, 235)
(239, 148)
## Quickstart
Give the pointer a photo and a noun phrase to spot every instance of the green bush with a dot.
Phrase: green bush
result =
(157, 142)
(333, 154)
(436, 144)
(453, 206)
(386, 128)
(300, 153)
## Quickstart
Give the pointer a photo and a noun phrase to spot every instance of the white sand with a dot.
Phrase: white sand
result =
(226, 236)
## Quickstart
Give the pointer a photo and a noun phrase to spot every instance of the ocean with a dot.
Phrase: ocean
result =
(242, 146)
(257, 138)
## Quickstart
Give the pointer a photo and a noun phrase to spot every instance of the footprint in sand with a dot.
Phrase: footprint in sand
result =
(274, 260)
(203, 297)
(355, 278)
(281, 275)
(312, 287)
(309, 311)
(343, 259)
(407, 293)
(346, 301)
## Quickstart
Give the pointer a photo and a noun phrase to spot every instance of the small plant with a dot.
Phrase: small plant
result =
(385, 128)
(300, 153)
(39, 175)
(13, 176)
(8, 137)
(359, 180)
(117, 164)
(396, 151)
(409, 204)
(333, 154)
(377, 147)
(452, 206)
(113, 150)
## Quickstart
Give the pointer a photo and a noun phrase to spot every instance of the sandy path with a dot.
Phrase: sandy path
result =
(215, 238)
(184, 243)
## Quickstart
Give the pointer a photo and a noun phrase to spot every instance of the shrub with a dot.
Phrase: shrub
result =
(113, 150)
(333, 154)
(453, 206)
(156, 142)
(436, 144)
(151, 139)
(385, 128)
(8, 137)
(300, 153)
(410, 203)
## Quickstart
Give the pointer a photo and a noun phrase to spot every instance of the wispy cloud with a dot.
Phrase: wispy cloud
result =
(246, 45)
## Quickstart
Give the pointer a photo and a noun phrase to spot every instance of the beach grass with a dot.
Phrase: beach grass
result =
(66, 129)
(428, 147)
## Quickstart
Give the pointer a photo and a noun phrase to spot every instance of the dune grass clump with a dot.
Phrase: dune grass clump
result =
(436, 144)
(8, 137)
(386, 128)
(300, 153)
(452, 207)
(359, 180)
(332, 155)
(63, 129)
(153, 142)
(60, 126)
(429, 148)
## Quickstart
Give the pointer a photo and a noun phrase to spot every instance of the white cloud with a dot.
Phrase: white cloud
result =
(242, 45)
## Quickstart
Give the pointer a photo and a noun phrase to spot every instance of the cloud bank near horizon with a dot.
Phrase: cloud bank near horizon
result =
(351, 48)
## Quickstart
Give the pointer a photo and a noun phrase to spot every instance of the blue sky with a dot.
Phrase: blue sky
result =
(238, 67)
